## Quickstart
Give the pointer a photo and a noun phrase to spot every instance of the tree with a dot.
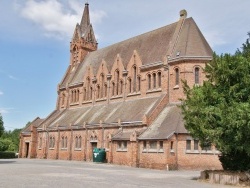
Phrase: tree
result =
(1, 125)
(218, 112)
(13, 139)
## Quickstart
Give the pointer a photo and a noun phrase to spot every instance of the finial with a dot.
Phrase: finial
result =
(183, 13)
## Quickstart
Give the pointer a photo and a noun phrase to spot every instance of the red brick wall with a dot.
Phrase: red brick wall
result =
(196, 160)
(186, 72)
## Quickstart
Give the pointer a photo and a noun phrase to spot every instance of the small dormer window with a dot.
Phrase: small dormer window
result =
(178, 53)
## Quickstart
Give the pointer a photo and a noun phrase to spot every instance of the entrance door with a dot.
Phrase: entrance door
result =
(93, 145)
(27, 149)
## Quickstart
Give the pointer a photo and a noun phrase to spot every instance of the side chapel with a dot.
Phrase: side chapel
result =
(124, 98)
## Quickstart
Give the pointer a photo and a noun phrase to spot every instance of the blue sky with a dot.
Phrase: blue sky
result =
(35, 36)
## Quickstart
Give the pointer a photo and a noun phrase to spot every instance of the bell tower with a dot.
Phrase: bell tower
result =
(83, 40)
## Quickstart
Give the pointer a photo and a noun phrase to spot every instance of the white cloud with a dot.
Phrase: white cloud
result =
(1, 93)
(12, 77)
(56, 19)
(5, 110)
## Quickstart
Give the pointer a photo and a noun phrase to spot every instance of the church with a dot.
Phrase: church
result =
(124, 98)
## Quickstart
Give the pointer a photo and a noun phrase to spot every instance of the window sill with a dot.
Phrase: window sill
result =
(101, 99)
(87, 102)
(133, 94)
(116, 97)
(121, 150)
(51, 148)
(64, 149)
(203, 152)
(153, 151)
(78, 149)
(74, 104)
(192, 152)
(154, 90)
(39, 148)
(176, 87)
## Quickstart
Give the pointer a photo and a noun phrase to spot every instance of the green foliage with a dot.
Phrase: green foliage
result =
(218, 112)
(7, 155)
(13, 138)
(3, 145)
(1, 125)
(6, 144)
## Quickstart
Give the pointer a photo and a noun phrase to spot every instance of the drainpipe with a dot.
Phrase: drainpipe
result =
(58, 145)
(177, 164)
(86, 141)
(71, 140)
(47, 144)
(102, 133)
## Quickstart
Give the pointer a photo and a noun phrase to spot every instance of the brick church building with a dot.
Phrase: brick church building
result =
(124, 98)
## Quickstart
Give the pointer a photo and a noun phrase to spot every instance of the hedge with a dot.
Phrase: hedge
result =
(7, 154)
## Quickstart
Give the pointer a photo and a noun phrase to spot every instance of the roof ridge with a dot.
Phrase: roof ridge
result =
(138, 36)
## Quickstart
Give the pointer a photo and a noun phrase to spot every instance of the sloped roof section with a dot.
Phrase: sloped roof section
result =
(168, 122)
(125, 134)
(36, 122)
(151, 47)
(191, 43)
(127, 111)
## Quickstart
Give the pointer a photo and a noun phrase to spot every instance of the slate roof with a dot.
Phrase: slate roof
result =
(126, 111)
(151, 46)
(36, 122)
(169, 122)
(125, 134)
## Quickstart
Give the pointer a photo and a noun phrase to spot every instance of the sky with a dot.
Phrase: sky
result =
(35, 37)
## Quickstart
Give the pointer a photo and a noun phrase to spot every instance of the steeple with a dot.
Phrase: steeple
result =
(85, 22)
(83, 40)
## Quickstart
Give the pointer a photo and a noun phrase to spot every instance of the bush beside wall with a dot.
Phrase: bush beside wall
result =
(7, 155)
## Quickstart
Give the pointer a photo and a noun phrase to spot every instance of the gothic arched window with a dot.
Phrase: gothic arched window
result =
(177, 76)
(159, 79)
(149, 81)
(117, 82)
(197, 76)
(154, 80)
(134, 78)
(138, 83)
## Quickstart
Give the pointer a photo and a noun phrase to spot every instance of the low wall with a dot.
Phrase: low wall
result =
(226, 177)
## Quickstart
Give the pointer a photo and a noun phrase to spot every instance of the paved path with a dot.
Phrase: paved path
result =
(30, 173)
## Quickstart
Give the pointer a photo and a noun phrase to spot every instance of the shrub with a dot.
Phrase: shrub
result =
(7, 155)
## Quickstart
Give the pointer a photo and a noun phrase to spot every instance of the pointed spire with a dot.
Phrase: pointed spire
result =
(85, 22)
